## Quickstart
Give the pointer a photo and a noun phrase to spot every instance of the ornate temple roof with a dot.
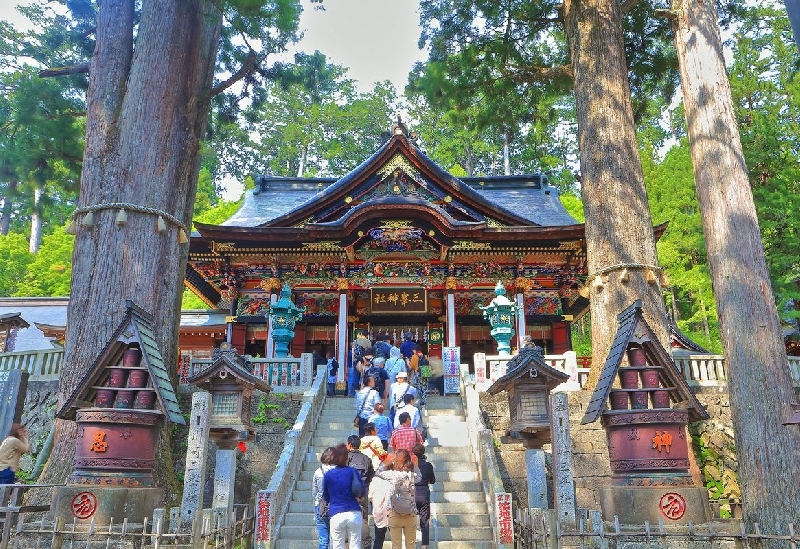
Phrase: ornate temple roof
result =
(520, 200)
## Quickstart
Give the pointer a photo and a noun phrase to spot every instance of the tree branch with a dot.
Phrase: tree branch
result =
(538, 74)
(628, 5)
(248, 67)
(82, 68)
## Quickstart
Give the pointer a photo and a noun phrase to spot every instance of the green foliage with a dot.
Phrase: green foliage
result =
(682, 249)
(765, 85)
(189, 301)
(15, 258)
(573, 205)
(50, 272)
(265, 409)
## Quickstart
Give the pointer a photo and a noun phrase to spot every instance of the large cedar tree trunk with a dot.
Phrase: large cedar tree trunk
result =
(619, 229)
(758, 376)
(147, 108)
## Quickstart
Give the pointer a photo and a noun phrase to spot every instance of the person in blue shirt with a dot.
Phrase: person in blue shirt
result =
(383, 425)
(345, 509)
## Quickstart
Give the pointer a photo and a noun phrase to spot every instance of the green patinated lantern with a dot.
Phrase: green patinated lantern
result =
(284, 315)
(501, 314)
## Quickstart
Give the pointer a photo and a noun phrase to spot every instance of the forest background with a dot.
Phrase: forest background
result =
(481, 104)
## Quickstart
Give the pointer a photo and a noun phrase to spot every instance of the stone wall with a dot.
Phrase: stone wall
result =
(713, 446)
(39, 417)
(255, 466)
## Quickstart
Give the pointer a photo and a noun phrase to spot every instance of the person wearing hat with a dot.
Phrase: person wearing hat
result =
(397, 391)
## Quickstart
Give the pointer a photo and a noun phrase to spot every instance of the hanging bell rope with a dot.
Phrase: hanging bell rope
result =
(121, 219)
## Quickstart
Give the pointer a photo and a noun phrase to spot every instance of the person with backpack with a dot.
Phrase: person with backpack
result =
(361, 463)
(321, 515)
(421, 363)
(333, 370)
(378, 373)
(394, 365)
(402, 503)
(423, 493)
(379, 492)
(397, 391)
(382, 347)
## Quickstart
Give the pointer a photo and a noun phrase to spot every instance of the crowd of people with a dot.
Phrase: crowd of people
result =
(383, 469)
(359, 478)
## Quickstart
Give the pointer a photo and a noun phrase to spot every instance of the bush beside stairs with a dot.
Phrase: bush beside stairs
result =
(459, 517)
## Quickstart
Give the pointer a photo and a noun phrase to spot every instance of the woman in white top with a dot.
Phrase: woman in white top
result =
(322, 522)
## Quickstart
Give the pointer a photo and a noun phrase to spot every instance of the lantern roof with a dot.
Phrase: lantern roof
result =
(228, 362)
(136, 328)
(633, 328)
(528, 362)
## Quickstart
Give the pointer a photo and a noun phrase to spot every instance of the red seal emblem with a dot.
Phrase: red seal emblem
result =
(84, 505)
(672, 506)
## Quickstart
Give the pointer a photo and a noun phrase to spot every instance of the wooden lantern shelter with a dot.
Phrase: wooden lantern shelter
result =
(231, 384)
(528, 382)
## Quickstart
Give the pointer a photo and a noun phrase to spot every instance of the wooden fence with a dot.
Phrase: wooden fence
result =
(539, 529)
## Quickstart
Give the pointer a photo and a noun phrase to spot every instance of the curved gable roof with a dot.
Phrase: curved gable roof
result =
(515, 201)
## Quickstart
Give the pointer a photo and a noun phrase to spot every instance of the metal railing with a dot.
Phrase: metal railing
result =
(41, 365)
(211, 529)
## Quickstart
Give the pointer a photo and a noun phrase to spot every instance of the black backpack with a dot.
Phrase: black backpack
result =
(334, 367)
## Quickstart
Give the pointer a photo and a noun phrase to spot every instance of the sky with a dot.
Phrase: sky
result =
(376, 39)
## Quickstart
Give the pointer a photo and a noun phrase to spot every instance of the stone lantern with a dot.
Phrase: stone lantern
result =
(528, 384)
(284, 315)
(231, 383)
(644, 405)
(501, 313)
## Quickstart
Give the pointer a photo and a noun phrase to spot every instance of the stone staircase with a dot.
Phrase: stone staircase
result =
(459, 517)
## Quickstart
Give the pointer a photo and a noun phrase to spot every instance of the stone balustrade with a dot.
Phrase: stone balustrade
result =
(42, 365)
(273, 502)
(287, 375)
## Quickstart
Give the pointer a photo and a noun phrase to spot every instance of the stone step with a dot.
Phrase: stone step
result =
(441, 519)
(438, 487)
(468, 473)
(443, 497)
(311, 543)
(309, 532)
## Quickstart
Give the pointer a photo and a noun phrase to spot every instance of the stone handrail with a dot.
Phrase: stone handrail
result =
(41, 365)
(284, 375)
(482, 449)
(273, 502)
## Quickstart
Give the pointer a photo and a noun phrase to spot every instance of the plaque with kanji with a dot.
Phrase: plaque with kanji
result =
(398, 300)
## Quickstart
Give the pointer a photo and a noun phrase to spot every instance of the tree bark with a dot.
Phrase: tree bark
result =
(619, 230)
(146, 111)
(758, 377)
(8, 203)
(35, 241)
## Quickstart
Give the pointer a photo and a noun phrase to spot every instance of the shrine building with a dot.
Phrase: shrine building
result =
(397, 245)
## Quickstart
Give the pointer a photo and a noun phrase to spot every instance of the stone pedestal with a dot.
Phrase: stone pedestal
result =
(673, 504)
(196, 453)
(224, 477)
(537, 479)
(84, 503)
(563, 470)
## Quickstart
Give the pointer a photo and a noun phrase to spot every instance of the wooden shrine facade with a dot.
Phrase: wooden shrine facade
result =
(396, 245)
